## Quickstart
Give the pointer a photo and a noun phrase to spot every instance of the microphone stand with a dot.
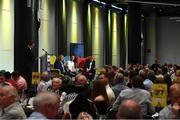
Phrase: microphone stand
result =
(45, 52)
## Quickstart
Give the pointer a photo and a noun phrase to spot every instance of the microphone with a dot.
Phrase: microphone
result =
(45, 51)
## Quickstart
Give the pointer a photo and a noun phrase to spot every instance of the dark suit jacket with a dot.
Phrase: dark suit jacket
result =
(59, 65)
(88, 65)
(91, 73)
(28, 59)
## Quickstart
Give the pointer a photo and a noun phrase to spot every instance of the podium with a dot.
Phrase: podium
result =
(44, 63)
(47, 62)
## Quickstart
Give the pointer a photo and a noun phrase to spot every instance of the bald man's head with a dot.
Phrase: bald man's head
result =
(174, 92)
(129, 109)
(8, 95)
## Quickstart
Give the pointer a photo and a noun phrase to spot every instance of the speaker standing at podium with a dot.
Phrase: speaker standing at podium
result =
(28, 61)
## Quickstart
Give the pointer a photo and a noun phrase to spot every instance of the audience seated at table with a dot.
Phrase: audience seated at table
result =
(78, 93)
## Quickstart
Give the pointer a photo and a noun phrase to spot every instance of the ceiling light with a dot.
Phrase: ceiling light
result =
(174, 18)
(99, 2)
(116, 7)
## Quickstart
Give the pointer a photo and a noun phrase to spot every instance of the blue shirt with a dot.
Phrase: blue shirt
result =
(37, 115)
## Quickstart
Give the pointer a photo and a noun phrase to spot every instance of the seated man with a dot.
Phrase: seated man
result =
(172, 111)
(143, 97)
(56, 85)
(46, 105)
(44, 83)
(90, 68)
(9, 105)
(119, 84)
(60, 64)
(103, 76)
(129, 109)
(21, 82)
(79, 89)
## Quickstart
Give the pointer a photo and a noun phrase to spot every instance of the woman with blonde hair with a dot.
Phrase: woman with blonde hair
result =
(84, 116)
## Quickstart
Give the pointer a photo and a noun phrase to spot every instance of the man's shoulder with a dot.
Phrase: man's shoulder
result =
(15, 111)
(37, 116)
(127, 90)
(165, 112)
(15, 108)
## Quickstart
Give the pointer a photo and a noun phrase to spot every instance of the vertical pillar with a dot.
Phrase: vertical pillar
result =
(109, 40)
(150, 38)
(134, 34)
(122, 42)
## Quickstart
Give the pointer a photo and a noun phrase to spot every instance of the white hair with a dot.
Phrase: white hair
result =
(44, 98)
(56, 78)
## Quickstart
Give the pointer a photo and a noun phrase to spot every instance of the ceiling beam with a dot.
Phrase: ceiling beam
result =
(150, 2)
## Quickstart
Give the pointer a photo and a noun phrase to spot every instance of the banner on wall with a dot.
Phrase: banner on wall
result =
(159, 95)
(77, 49)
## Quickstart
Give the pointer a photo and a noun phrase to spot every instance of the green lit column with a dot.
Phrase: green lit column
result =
(115, 39)
(74, 27)
(126, 38)
(97, 35)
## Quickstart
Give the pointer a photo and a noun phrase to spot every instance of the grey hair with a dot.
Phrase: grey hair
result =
(119, 78)
(44, 98)
(57, 78)
(11, 91)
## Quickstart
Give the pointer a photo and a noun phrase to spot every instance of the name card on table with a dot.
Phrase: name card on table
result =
(159, 95)
(35, 78)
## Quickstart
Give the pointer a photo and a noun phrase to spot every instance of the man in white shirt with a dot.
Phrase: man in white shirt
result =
(110, 93)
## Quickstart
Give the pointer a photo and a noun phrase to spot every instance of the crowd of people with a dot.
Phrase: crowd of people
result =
(110, 93)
